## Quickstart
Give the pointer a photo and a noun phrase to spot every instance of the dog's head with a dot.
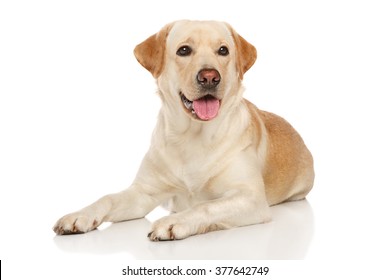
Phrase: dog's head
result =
(197, 64)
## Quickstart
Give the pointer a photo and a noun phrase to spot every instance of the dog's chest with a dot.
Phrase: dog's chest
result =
(193, 167)
(195, 174)
(191, 159)
(194, 170)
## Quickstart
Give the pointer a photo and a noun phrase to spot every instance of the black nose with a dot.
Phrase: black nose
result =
(208, 78)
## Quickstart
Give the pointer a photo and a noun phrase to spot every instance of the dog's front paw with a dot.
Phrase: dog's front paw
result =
(75, 223)
(169, 228)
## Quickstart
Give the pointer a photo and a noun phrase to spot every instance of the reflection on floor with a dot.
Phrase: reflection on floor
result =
(288, 236)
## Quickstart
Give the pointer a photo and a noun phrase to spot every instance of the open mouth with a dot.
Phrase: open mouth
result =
(205, 108)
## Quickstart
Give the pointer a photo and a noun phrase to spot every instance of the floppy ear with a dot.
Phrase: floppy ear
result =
(246, 53)
(151, 52)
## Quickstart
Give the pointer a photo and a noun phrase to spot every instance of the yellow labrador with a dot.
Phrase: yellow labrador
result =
(215, 159)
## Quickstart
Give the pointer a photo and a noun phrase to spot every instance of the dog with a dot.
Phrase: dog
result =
(215, 160)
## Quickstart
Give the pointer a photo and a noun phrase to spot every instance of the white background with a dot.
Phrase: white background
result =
(77, 112)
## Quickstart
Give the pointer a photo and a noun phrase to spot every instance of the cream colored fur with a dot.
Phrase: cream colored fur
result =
(214, 174)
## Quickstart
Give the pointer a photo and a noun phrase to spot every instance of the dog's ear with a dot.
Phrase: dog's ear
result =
(151, 52)
(246, 53)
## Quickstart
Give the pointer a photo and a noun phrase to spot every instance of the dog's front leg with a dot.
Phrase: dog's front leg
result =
(132, 203)
(233, 210)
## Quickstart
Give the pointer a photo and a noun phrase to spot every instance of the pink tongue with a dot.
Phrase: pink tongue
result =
(206, 108)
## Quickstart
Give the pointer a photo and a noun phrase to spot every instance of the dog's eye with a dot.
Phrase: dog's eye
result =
(224, 51)
(184, 51)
